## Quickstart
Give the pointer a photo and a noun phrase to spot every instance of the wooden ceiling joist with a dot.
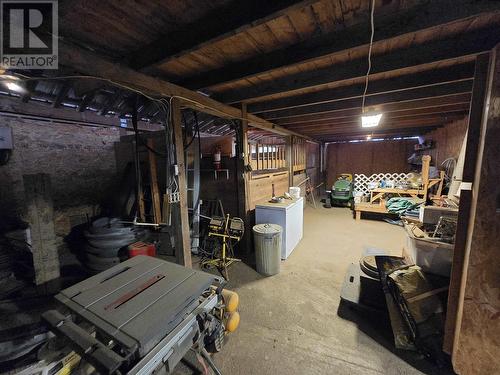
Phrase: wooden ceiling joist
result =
(430, 54)
(88, 63)
(392, 117)
(385, 126)
(348, 115)
(425, 15)
(383, 86)
(220, 23)
(458, 99)
(397, 133)
(437, 91)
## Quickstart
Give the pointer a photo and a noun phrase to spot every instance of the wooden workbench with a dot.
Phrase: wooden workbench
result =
(378, 193)
(377, 201)
(369, 207)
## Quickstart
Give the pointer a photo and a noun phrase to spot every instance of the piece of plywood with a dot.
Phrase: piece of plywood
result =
(466, 167)
(476, 348)
(261, 187)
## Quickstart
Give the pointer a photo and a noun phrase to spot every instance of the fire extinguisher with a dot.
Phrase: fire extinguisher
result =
(217, 157)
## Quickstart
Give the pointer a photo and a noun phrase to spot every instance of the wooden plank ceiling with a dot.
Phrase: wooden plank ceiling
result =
(300, 64)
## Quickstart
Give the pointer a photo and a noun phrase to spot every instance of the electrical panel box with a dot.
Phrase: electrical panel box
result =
(6, 139)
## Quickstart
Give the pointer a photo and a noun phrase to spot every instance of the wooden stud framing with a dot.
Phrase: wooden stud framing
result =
(78, 59)
(243, 159)
(181, 222)
(155, 192)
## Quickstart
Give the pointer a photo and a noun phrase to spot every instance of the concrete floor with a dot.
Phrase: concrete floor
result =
(290, 322)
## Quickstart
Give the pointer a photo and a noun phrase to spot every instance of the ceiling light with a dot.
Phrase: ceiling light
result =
(12, 86)
(369, 121)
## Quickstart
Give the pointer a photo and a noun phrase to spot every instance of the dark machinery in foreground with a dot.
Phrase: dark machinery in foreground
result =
(142, 316)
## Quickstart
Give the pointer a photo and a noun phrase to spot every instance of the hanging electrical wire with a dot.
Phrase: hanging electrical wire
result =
(372, 23)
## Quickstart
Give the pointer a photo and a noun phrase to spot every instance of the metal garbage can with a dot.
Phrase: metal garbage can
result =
(267, 238)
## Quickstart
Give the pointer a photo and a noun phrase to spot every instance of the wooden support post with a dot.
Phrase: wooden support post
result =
(472, 143)
(426, 162)
(258, 155)
(440, 186)
(243, 179)
(181, 220)
(153, 174)
(40, 216)
(289, 159)
(358, 215)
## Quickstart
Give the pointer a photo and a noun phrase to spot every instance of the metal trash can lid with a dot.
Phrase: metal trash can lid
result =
(267, 228)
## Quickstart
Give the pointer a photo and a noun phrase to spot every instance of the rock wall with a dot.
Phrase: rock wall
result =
(79, 159)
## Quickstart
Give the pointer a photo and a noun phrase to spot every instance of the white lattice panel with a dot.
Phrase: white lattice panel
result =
(361, 181)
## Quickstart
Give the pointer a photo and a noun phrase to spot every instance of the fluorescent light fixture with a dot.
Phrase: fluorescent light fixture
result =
(370, 121)
(12, 86)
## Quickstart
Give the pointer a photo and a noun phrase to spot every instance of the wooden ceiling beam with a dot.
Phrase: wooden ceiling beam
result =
(386, 126)
(425, 15)
(445, 116)
(431, 54)
(345, 115)
(439, 76)
(374, 135)
(218, 24)
(458, 99)
(448, 89)
(86, 62)
(394, 129)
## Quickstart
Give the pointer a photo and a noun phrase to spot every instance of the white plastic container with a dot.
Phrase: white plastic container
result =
(294, 192)
(432, 256)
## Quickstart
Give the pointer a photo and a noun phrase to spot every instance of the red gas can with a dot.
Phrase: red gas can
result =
(141, 248)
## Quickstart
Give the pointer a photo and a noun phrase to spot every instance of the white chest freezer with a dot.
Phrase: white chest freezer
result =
(289, 215)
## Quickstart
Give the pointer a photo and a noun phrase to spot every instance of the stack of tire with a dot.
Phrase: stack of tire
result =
(106, 243)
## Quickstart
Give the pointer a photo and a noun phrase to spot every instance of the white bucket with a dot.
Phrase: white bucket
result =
(294, 192)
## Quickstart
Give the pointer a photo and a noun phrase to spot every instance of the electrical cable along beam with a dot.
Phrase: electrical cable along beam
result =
(380, 99)
(406, 82)
(90, 64)
(337, 124)
(455, 101)
(350, 115)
